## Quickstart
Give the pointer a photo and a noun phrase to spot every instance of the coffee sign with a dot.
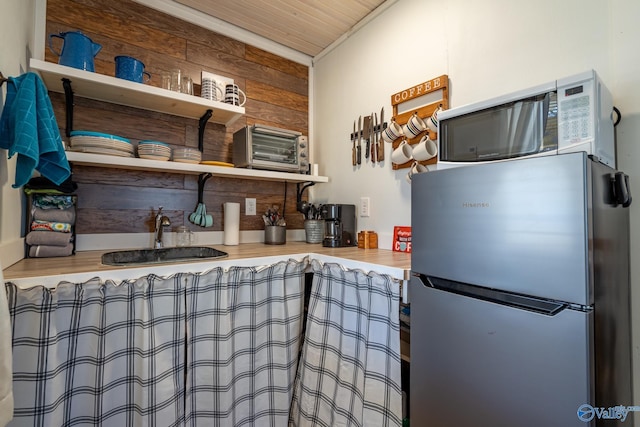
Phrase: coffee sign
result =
(420, 90)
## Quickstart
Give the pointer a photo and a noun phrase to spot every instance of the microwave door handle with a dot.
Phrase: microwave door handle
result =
(546, 102)
(525, 124)
(512, 116)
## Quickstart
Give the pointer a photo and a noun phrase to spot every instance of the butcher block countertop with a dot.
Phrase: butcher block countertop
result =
(87, 264)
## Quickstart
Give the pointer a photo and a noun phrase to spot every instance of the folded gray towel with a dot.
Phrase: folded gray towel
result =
(55, 215)
(44, 251)
(50, 238)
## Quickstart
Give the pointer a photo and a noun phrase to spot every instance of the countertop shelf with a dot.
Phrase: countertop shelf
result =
(134, 163)
(118, 91)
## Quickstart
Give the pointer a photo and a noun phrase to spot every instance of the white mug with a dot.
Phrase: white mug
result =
(232, 94)
(392, 132)
(402, 154)
(426, 149)
(432, 122)
(415, 126)
(416, 168)
(212, 90)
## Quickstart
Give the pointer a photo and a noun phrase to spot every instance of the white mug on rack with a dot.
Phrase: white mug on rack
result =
(392, 132)
(416, 168)
(402, 154)
(415, 126)
(426, 149)
(432, 122)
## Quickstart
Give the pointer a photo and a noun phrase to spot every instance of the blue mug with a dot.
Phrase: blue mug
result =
(131, 69)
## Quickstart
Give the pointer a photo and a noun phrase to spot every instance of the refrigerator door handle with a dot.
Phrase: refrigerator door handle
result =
(621, 190)
(522, 302)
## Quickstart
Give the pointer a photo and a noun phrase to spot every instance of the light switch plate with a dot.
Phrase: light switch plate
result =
(249, 206)
(365, 205)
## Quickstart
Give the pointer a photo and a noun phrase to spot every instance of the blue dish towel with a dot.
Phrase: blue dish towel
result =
(28, 127)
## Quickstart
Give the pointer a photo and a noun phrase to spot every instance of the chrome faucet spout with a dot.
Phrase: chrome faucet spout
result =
(160, 222)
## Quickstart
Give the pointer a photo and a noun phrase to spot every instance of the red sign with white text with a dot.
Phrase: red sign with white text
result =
(402, 239)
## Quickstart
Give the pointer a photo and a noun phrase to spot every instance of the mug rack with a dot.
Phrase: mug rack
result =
(429, 95)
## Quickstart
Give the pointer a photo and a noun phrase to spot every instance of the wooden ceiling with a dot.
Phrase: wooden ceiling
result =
(307, 26)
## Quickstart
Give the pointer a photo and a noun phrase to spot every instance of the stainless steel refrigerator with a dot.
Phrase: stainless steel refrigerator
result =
(520, 311)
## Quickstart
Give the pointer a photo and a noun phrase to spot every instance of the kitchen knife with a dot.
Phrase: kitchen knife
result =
(359, 147)
(374, 143)
(380, 142)
(353, 147)
(367, 132)
(371, 133)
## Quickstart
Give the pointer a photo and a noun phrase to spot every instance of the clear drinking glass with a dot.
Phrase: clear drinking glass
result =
(166, 80)
(186, 85)
(176, 80)
(184, 236)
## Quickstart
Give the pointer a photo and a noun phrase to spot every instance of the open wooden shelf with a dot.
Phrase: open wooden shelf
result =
(134, 163)
(124, 92)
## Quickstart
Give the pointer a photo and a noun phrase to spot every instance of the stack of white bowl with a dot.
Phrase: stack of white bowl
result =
(187, 155)
(154, 150)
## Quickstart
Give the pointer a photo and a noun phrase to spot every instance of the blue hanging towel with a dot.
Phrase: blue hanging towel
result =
(28, 127)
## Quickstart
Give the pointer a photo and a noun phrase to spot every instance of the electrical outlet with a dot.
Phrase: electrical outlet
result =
(365, 205)
(249, 206)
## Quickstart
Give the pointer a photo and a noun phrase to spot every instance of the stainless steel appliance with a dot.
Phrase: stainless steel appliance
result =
(520, 294)
(266, 147)
(339, 225)
(565, 115)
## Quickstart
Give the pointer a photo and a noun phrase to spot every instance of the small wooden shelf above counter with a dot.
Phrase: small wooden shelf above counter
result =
(134, 163)
(118, 91)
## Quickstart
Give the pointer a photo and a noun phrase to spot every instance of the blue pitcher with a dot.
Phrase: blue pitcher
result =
(78, 50)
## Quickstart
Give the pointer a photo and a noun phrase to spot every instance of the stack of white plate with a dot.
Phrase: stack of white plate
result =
(187, 155)
(154, 150)
(100, 143)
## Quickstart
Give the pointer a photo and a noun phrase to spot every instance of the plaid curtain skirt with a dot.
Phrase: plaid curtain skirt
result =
(349, 371)
(220, 348)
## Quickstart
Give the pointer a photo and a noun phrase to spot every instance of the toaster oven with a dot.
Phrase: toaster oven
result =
(271, 148)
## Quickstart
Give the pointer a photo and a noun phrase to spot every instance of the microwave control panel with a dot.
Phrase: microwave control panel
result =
(575, 113)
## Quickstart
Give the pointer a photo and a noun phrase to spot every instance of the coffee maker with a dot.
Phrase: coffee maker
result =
(339, 225)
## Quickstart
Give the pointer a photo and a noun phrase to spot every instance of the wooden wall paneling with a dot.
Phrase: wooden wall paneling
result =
(120, 201)
(239, 67)
(262, 112)
(127, 122)
(90, 221)
(276, 62)
(273, 95)
(134, 178)
(126, 197)
(99, 20)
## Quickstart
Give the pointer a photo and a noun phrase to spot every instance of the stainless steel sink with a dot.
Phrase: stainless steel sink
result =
(162, 255)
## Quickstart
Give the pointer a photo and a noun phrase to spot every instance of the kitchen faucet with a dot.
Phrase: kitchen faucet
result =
(161, 221)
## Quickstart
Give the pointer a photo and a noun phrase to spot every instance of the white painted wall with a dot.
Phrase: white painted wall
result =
(16, 33)
(486, 48)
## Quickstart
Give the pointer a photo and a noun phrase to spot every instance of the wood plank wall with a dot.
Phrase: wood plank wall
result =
(121, 201)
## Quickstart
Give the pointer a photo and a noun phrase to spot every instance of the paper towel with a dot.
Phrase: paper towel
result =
(231, 223)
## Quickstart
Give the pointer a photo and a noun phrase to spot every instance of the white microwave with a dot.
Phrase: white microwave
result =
(566, 115)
